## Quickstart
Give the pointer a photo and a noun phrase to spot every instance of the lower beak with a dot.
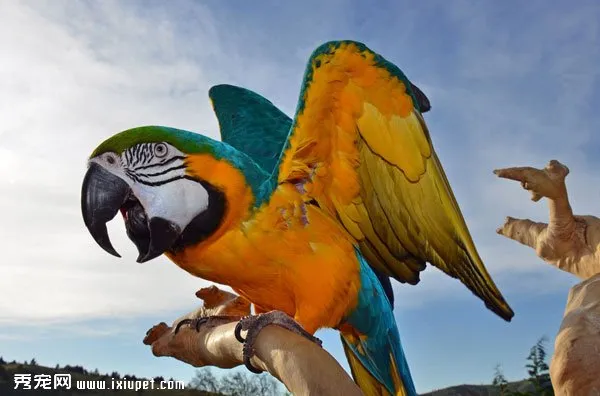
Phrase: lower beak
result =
(163, 235)
(102, 195)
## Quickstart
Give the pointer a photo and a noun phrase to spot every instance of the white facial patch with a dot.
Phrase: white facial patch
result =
(178, 201)
(156, 173)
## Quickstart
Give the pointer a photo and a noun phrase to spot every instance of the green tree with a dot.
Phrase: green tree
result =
(538, 369)
(205, 380)
(500, 381)
(236, 383)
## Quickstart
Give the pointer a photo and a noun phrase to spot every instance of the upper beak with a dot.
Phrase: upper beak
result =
(102, 195)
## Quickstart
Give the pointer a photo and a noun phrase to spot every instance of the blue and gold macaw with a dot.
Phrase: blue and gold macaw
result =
(309, 217)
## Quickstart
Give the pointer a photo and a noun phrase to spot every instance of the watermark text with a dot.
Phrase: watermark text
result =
(65, 381)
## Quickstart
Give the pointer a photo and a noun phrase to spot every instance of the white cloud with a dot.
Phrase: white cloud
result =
(76, 75)
(512, 97)
(81, 71)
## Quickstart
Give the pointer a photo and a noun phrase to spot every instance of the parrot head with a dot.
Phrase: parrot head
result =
(144, 173)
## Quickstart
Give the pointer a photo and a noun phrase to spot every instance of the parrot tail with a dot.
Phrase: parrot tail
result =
(371, 341)
(368, 382)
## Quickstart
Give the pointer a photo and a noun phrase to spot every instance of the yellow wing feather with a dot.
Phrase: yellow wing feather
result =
(362, 151)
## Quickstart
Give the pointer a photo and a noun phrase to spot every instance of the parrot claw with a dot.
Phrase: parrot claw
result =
(197, 323)
(254, 324)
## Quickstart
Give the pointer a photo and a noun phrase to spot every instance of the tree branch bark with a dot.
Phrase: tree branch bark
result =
(568, 242)
(575, 366)
(571, 243)
(302, 366)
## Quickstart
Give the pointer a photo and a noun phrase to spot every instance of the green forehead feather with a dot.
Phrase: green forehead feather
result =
(186, 142)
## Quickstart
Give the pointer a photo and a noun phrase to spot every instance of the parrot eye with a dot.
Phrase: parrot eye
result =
(160, 150)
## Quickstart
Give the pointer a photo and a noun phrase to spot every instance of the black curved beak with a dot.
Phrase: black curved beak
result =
(102, 195)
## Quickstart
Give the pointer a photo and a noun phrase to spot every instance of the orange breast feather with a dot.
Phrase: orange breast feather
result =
(288, 255)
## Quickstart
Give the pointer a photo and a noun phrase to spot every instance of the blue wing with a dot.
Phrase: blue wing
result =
(250, 123)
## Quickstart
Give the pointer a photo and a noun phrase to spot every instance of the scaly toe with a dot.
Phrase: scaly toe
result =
(197, 323)
(256, 323)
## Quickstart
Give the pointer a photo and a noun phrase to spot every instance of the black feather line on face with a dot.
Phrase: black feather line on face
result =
(144, 153)
(165, 162)
(161, 182)
(206, 223)
(163, 172)
(135, 154)
(132, 175)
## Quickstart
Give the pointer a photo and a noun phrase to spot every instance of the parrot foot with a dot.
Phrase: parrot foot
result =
(255, 323)
(197, 323)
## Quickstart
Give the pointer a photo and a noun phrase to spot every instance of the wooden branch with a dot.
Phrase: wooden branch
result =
(575, 366)
(302, 366)
(571, 243)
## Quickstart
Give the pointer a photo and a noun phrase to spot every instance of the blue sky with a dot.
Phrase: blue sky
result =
(511, 83)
